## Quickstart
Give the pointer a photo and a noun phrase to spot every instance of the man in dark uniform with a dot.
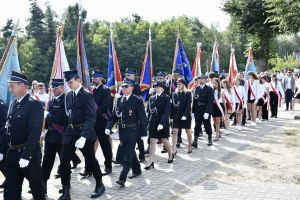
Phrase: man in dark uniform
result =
(79, 133)
(202, 109)
(130, 75)
(23, 131)
(102, 98)
(3, 114)
(130, 113)
(55, 122)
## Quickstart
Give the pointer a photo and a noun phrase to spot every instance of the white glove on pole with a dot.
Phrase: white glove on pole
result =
(160, 127)
(144, 138)
(206, 115)
(23, 163)
(107, 131)
(80, 142)
(183, 118)
(1, 156)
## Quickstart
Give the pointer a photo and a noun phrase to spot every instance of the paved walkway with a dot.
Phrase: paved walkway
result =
(187, 177)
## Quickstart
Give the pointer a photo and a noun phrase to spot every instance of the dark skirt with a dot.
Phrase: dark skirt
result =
(216, 111)
(182, 124)
(260, 102)
(154, 133)
(251, 101)
(240, 107)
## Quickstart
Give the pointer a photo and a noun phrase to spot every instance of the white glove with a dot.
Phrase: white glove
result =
(45, 113)
(160, 127)
(206, 115)
(80, 142)
(1, 156)
(107, 131)
(23, 163)
(255, 102)
(183, 118)
(144, 138)
(117, 95)
(44, 133)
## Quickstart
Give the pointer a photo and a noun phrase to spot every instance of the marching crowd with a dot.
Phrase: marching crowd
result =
(84, 118)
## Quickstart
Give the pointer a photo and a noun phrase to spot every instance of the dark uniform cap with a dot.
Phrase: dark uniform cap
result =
(160, 84)
(127, 81)
(16, 77)
(69, 75)
(181, 80)
(161, 74)
(97, 74)
(129, 71)
(57, 82)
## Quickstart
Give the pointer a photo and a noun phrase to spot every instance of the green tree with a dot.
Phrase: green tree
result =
(8, 28)
(251, 18)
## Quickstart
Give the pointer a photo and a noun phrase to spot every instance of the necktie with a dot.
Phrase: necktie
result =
(73, 95)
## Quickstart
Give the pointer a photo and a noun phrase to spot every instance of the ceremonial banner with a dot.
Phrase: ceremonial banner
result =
(197, 65)
(250, 66)
(215, 60)
(232, 67)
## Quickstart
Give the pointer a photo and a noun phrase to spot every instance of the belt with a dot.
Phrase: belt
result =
(16, 147)
(201, 104)
(127, 125)
(72, 126)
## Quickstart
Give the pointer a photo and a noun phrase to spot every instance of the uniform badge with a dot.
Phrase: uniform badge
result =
(130, 112)
(196, 96)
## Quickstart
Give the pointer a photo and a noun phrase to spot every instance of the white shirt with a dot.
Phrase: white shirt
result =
(278, 87)
(43, 97)
(77, 90)
(57, 97)
(127, 97)
(242, 94)
(229, 96)
(216, 96)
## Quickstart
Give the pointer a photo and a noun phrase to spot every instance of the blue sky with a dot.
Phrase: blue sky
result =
(208, 11)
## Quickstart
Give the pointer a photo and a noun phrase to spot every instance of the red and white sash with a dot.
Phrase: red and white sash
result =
(251, 91)
(219, 106)
(240, 99)
(228, 102)
(276, 92)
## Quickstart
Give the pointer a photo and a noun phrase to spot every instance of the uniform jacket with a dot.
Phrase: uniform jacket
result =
(103, 102)
(81, 110)
(24, 126)
(285, 83)
(181, 104)
(203, 100)
(56, 120)
(159, 111)
(130, 112)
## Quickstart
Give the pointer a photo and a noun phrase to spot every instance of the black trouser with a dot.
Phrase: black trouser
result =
(244, 116)
(49, 157)
(120, 151)
(198, 123)
(2, 168)
(265, 112)
(104, 143)
(288, 98)
(67, 153)
(15, 176)
(273, 104)
(130, 160)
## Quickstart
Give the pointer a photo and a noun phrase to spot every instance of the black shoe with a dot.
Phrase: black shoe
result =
(170, 161)
(142, 160)
(209, 143)
(150, 166)
(164, 150)
(159, 142)
(134, 175)
(86, 174)
(234, 124)
(60, 191)
(75, 164)
(117, 162)
(66, 193)
(121, 183)
(195, 143)
(178, 145)
(107, 171)
(99, 190)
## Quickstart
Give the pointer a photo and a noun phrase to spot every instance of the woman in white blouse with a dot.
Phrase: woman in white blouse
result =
(240, 101)
(276, 93)
(254, 93)
(228, 96)
(218, 107)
